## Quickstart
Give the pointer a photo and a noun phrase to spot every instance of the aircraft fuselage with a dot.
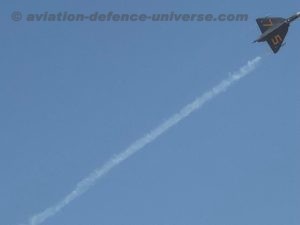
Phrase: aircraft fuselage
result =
(269, 33)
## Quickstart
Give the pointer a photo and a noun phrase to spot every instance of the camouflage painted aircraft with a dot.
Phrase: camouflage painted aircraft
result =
(274, 30)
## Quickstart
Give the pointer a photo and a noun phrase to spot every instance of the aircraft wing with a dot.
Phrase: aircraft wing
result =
(267, 22)
(276, 39)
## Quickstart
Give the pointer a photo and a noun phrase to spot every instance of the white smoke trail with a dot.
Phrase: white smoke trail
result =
(90, 180)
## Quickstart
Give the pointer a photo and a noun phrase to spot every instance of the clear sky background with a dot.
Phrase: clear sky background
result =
(74, 94)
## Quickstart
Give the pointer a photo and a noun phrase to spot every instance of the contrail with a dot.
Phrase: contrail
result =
(85, 184)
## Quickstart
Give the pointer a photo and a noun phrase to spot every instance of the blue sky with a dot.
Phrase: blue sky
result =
(74, 94)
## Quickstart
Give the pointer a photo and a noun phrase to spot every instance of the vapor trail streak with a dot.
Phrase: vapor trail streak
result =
(85, 184)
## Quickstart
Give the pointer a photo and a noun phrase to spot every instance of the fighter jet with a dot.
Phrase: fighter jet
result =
(274, 30)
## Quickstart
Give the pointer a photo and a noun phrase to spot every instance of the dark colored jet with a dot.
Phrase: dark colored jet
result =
(274, 30)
